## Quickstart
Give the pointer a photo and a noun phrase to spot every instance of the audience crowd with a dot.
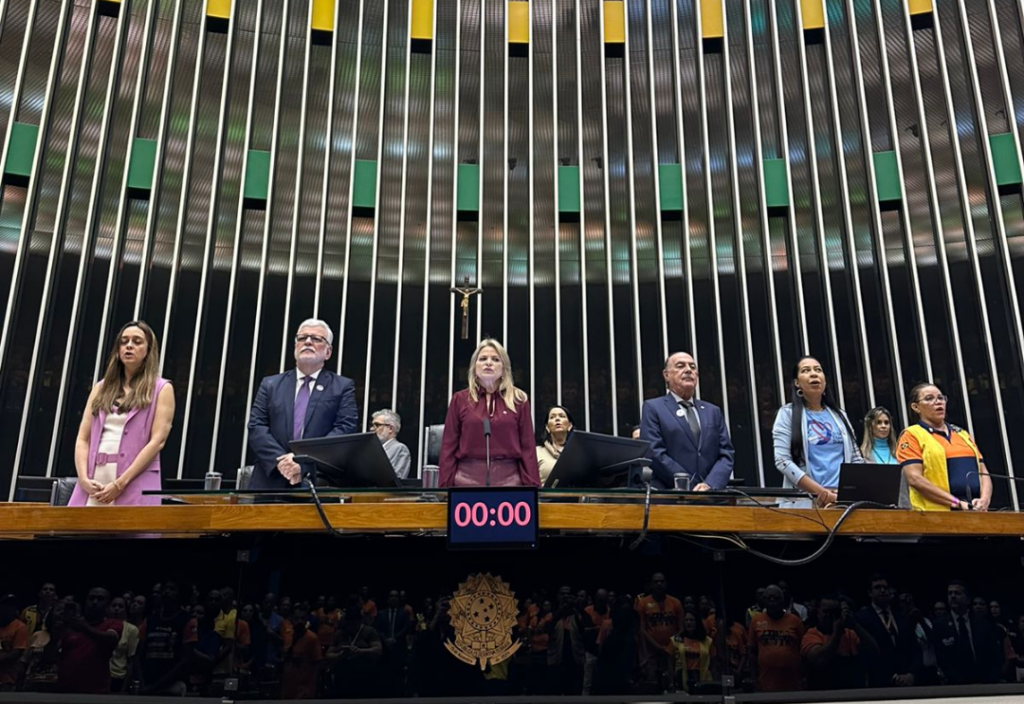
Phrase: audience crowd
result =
(178, 640)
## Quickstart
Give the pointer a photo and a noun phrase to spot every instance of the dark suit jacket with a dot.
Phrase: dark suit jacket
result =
(402, 625)
(673, 448)
(897, 658)
(331, 411)
(989, 658)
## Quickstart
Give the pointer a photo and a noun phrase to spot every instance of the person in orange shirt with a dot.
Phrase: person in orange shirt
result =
(369, 607)
(536, 634)
(13, 641)
(774, 641)
(661, 617)
(327, 618)
(735, 650)
(301, 660)
(693, 653)
(832, 649)
(599, 612)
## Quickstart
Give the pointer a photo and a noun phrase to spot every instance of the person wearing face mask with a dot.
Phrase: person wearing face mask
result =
(557, 430)
(125, 424)
(687, 435)
(309, 401)
(491, 395)
(812, 436)
(941, 462)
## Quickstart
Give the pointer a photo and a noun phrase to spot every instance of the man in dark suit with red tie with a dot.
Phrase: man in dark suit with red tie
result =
(687, 435)
(306, 402)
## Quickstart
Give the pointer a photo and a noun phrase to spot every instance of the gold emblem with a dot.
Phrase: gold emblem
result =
(483, 615)
(905, 446)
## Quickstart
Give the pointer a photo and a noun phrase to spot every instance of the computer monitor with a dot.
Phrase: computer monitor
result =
(878, 483)
(348, 461)
(595, 460)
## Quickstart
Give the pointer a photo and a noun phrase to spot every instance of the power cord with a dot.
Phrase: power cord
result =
(647, 512)
(308, 483)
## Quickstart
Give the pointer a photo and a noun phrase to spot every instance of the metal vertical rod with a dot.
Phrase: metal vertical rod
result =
(376, 201)
(211, 225)
(504, 184)
(5, 151)
(430, 227)
(819, 220)
(656, 171)
(766, 244)
(161, 146)
(681, 140)
(455, 185)
(995, 216)
(328, 152)
(844, 197)
(480, 174)
(554, 183)
(583, 219)
(55, 240)
(795, 269)
(351, 185)
(239, 222)
(878, 234)
(608, 232)
(133, 125)
(908, 242)
(88, 234)
(404, 207)
(286, 323)
(740, 251)
(268, 220)
(710, 203)
(533, 242)
(627, 80)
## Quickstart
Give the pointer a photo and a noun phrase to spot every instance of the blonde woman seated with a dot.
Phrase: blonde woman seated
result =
(556, 431)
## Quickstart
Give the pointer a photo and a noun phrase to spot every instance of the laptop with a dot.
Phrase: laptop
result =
(878, 483)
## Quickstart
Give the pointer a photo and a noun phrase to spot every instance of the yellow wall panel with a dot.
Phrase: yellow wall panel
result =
(422, 19)
(614, 22)
(323, 16)
(518, 22)
(711, 25)
(919, 7)
(813, 14)
(218, 8)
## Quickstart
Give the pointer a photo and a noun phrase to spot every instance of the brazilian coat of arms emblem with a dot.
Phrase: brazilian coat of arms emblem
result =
(483, 614)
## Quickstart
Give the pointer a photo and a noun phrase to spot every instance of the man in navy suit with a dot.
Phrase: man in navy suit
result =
(306, 402)
(687, 435)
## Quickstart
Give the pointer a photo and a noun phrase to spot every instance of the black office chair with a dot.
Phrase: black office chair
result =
(60, 492)
(432, 436)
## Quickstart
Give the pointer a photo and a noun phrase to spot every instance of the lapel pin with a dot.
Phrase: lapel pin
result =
(680, 413)
(319, 387)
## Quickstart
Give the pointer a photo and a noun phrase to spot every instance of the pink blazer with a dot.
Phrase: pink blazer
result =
(138, 428)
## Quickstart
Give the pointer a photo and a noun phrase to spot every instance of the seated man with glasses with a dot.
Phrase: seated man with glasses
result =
(941, 462)
(386, 423)
(306, 402)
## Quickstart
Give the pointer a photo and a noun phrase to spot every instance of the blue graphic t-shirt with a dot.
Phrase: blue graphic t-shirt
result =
(825, 451)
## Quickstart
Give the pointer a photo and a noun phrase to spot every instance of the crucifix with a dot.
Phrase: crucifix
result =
(467, 292)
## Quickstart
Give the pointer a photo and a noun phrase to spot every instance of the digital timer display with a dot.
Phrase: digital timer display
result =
(492, 518)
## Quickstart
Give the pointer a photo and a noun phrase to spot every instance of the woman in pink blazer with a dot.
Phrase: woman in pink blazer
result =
(125, 424)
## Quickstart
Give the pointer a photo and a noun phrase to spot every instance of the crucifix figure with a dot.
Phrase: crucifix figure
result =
(467, 292)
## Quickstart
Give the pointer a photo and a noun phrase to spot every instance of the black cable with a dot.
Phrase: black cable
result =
(784, 511)
(647, 520)
(308, 483)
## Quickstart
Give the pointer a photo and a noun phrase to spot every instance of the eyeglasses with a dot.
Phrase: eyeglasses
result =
(929, 400)
(315, 339)
(380, 425)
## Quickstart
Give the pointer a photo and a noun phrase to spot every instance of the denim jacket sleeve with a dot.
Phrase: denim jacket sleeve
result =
(782, 434)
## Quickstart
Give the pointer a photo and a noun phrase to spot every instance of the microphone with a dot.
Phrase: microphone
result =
(487, 446)
(990, 476)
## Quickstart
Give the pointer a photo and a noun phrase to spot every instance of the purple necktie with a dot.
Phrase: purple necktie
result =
(301, 403)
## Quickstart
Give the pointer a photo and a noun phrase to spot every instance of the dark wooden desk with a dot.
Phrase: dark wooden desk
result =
(20, 520)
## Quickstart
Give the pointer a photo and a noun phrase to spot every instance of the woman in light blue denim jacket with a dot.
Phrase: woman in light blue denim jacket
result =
(810, 458)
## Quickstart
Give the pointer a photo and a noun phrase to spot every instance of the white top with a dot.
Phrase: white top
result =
(113, 431)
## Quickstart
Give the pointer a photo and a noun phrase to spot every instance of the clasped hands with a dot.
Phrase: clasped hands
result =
(289, 468)
(104, 493)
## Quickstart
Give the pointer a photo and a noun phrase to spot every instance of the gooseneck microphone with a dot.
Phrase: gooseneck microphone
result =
(487, 446)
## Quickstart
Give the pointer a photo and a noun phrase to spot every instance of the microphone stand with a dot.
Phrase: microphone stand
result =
(487, 446)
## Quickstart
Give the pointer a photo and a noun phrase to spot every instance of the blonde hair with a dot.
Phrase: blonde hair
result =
(506, 387)
(141, 385)
(867, 445)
